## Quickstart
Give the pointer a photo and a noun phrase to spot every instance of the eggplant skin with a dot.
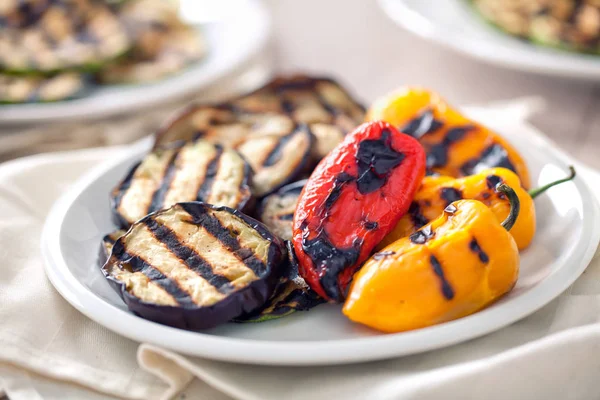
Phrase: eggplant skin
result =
(292, 294)
(239, 298)
(276, 210)
(106, 246)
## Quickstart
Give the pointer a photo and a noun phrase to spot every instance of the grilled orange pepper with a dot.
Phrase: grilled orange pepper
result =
(450, 268)
(456, 146)
(437, 192)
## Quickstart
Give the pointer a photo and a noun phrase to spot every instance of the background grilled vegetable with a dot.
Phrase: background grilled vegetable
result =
(198, 170)
(455, 145)
(320, 103)
(292, 294)
(162, 43)
(354, 197)
(568, 24)
(68, 35)
(195, 266)
(30, 88)
(276, 210)
(21, 13)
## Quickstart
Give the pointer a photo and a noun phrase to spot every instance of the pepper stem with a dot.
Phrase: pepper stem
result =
(515, 205)
(537, 191)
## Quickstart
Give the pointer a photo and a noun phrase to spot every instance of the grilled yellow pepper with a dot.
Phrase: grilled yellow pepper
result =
(455, 145)
(450, 268)
(437, 192)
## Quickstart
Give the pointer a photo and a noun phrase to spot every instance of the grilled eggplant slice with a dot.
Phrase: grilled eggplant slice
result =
(276, 210)
(69, 35)
(25, 89)
(108, 241)
(163, 44)
(198, 170)
(277, 159)
(195, 266)
(292, 294)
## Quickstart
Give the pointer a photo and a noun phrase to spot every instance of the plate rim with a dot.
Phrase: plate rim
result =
(304, 353)
(411, 20)
(255, 14)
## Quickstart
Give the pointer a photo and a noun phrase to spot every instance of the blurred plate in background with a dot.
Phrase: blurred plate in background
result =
(232, 42)
(453, 24)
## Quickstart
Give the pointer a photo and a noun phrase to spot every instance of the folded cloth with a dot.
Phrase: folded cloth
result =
(48, 350)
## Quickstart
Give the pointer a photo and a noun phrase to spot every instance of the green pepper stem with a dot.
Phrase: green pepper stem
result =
(537, 191)
(515, 205)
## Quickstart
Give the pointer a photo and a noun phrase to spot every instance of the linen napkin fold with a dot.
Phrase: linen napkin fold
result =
(48, 350)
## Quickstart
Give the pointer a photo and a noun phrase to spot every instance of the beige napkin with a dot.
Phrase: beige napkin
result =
(48, 350)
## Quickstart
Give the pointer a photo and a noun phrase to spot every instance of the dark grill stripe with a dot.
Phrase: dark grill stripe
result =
(158, 197)
(211, 173)
(275, 154)
(201, 216)
(447, 290)
(286, 217)
(138, 264)
(186, 254)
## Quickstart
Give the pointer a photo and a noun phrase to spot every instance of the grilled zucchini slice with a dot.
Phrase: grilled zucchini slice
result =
(195, 266)
(292, 294)
(162, 44)
(198, 170)
(25, 89)
(276, 210)
(70, 35)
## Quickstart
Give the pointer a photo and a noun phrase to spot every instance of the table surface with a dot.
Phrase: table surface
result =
(355, 41)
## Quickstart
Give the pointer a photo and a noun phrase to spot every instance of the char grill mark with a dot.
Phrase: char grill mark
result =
(214, 227)
(188, 255)
(474, 247)
(450, 195)
(437, 154)
(422, 125)
(418, 219)
(170, 286)
(376, 161)
(491, 157)
(211, 172)
(422, 236)
(492, 181)
(158, 198)
(447, 290)
(276, 211)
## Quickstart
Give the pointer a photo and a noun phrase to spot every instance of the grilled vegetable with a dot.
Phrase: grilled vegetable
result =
(22, 89)
(107, 244)
(277, 159)
(195, 266)
(455, 145)
(198, 170)
(436, 193)
(162, 44)
(80, 35)
(292, 294)
(321, 103)
(20, 13)
(452, 267)
(355, 197)
(276, 211)
(567, 24)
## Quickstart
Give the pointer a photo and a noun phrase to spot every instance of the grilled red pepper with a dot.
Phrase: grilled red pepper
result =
(354, 197)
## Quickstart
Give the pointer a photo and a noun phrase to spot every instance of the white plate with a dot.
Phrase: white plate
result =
(568, 234)
(231, 42)
(453, 24)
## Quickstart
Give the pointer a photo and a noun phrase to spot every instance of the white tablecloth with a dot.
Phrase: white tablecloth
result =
(48, 350)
